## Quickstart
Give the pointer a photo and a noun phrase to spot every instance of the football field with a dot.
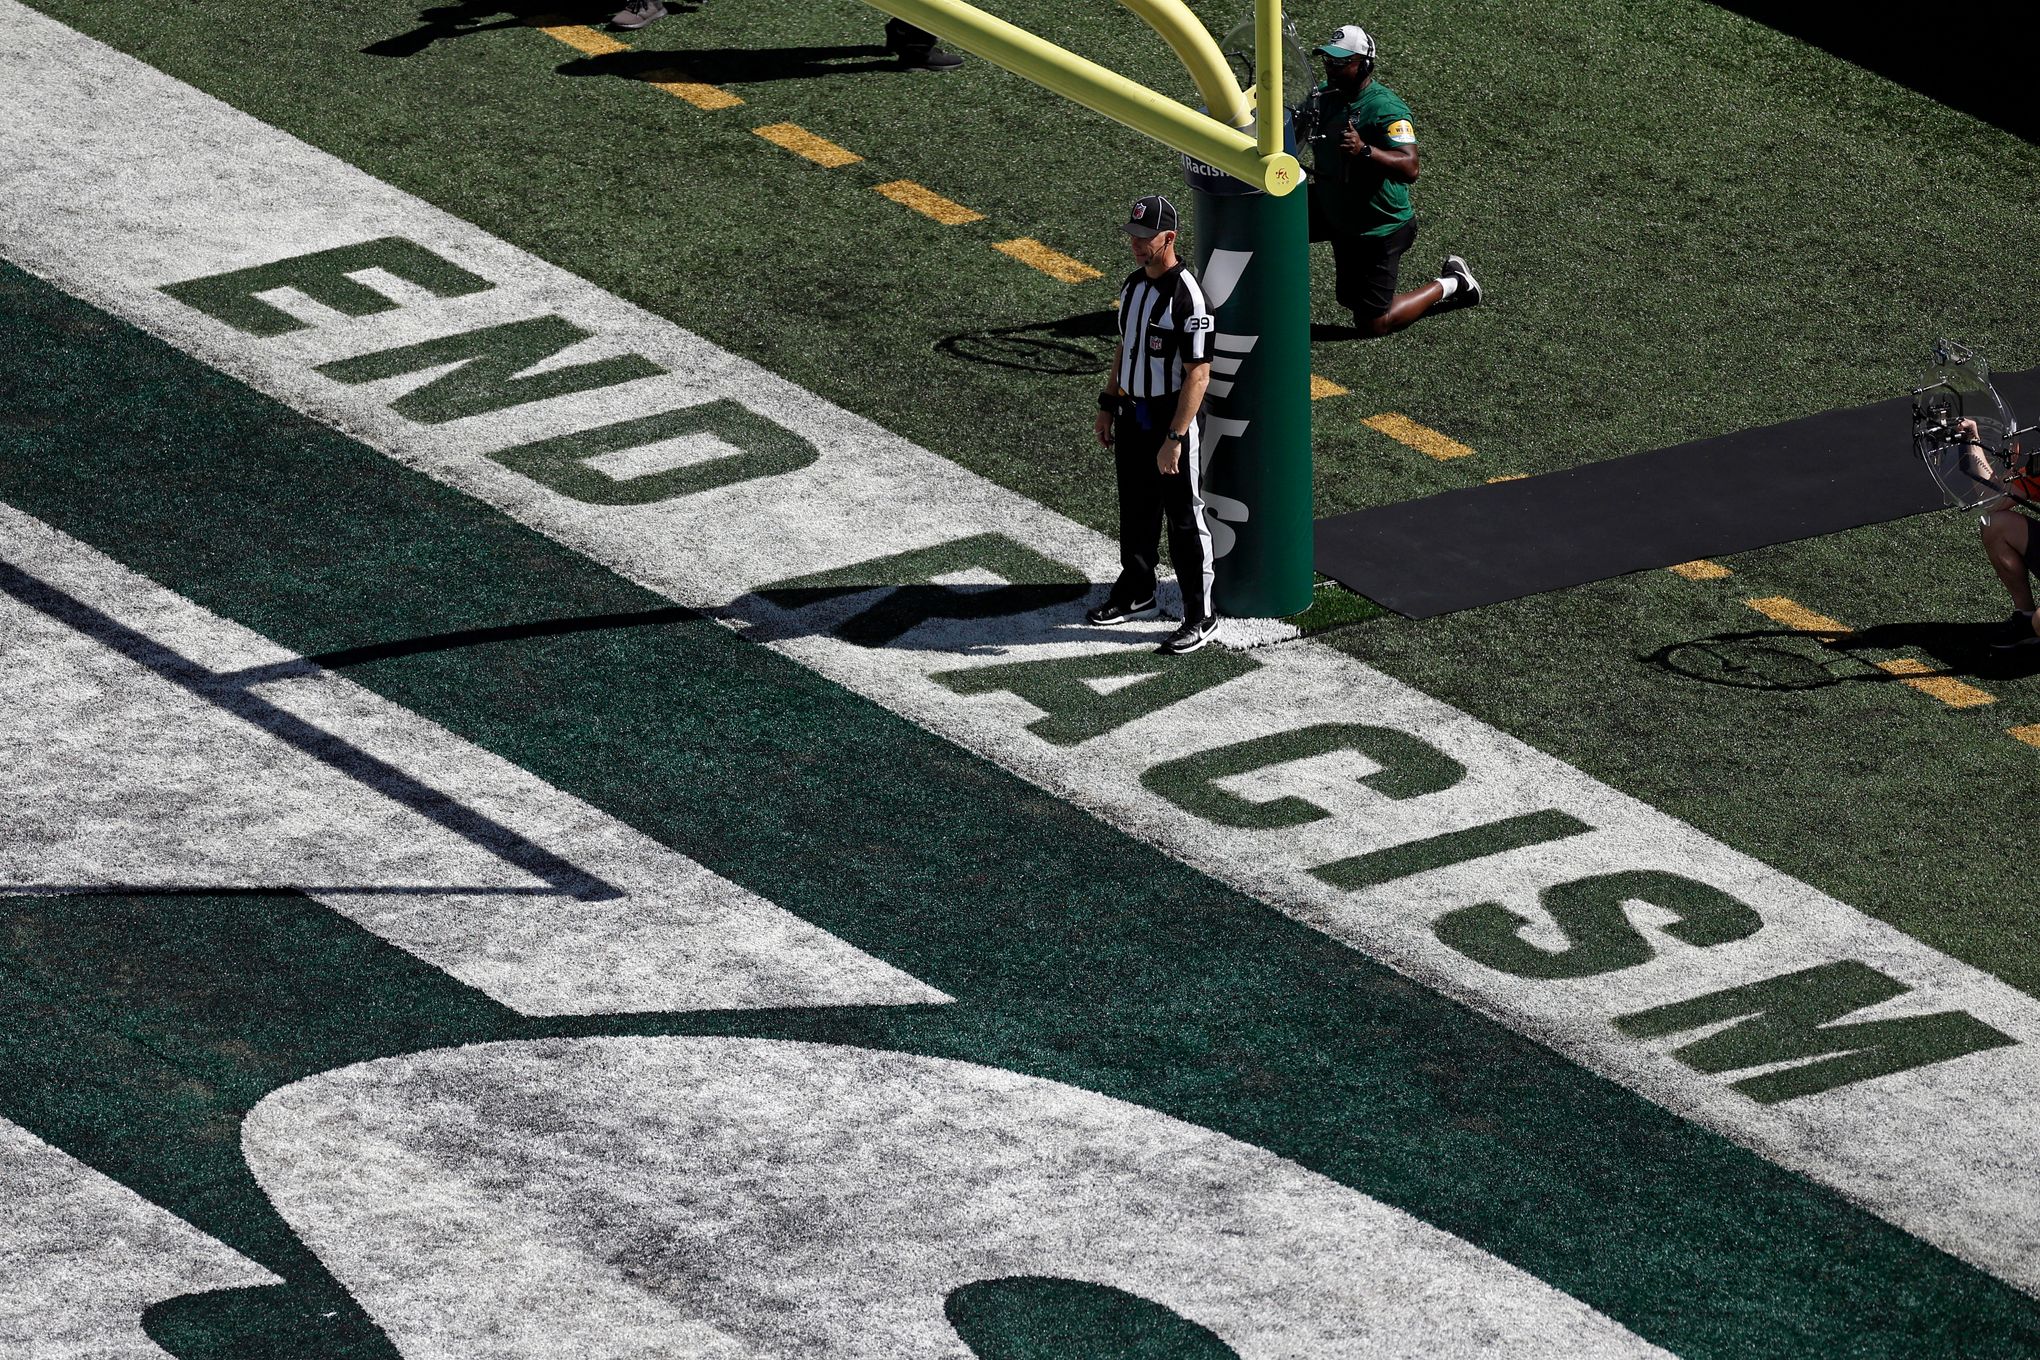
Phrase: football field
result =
(561, 804)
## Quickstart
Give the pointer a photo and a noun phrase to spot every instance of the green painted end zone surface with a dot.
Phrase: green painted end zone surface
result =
(1687, 224)
(1074, 952)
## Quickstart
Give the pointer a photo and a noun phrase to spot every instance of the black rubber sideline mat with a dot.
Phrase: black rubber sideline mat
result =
(1481, 545)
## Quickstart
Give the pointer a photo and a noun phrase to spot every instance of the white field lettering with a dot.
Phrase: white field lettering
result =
(198, 754)
(1651, 953)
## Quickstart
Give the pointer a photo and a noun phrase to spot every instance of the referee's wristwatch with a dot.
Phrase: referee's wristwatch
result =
(1176, 438)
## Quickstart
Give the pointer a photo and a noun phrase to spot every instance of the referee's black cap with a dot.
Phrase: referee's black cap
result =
(1150, 217)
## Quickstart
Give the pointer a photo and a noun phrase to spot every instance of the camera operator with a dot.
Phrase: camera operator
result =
(1364, 158)
(2008, 537)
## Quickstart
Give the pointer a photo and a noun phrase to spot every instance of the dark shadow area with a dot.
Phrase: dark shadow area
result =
(906, 607)
(735, 65)
(1065, 348)
(459, 21)
(1965, 56)
(1041, 1317)
(1784, 659)
(465, 637)
(1331, 331)
(231, 694)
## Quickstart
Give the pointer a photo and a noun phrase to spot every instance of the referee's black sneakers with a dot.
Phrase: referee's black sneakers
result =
(1192, 635)
(1108, 613)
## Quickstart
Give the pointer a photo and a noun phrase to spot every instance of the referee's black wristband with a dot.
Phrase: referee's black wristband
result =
(1108, 402)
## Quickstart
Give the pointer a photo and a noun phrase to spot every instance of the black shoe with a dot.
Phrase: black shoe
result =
(928, 59)
(1468, 292)
(2018, 632)
(1108, 614)
(1192, 635)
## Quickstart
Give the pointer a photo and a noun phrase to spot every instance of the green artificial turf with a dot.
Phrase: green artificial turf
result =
(1083, 957)
(1686, 222)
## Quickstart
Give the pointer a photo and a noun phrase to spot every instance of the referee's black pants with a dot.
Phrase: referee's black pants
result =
(1147, 499)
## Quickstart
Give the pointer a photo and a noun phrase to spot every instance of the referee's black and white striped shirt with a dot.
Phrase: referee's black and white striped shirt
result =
(1164, 324)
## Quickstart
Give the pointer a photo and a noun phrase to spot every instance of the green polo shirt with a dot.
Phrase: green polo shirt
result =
(1356, 192)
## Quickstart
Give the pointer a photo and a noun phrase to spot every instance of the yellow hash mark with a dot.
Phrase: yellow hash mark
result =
(928, 203)
(710, 97)
(2030, 734)
(801, 142)
(1508, 477)
(582, 38)
(1053, 263)
(1422, 438)
(1781, 610)
(1320, 388)
(1950, 691)
(1700, 569)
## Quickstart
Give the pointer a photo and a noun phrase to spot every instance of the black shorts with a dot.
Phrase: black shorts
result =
(1366, 267)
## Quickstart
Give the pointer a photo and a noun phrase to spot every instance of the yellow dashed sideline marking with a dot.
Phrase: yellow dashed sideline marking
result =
(582, 38)
(1320, 388)
(1700, 569)
(1781, 610)
(1422, 438)
(1914, 674)
(1946, 688)
(801, 142)
(928, 203)
(1053, 263)
(1508, 477)
(701, 96)
(2030, 734)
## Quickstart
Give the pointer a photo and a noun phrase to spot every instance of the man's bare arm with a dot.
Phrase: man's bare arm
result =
(1196, 377)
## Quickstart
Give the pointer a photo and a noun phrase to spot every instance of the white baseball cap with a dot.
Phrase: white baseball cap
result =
(1350, 41)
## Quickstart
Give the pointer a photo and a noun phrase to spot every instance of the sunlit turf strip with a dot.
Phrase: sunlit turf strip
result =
(1700, 569)
(1053, 263)
(2030, 734)
(801, 142)
(1321, 387)
(1508, 477)
(1422, 438)
(1074, 952)
(928, 203)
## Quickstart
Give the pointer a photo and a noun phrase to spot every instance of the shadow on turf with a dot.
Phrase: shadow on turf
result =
(1053, 347)
(1950, 64)
(234, 693)
(1786, 659)
(459, 21)
(735, 65)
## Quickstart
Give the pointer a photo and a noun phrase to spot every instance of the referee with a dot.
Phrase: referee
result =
(1152, 414)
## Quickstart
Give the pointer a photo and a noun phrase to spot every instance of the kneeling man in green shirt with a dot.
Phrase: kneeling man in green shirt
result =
(1364, 158)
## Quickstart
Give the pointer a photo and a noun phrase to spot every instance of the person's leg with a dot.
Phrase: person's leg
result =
(1189, 534)
(2007, 535)
(1140, 510)
(1367, 279)
(916, 47)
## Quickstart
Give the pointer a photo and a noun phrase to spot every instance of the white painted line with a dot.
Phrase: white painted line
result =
(159, 184)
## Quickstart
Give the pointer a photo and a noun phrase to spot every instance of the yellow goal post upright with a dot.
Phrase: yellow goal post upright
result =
(1251, 253)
